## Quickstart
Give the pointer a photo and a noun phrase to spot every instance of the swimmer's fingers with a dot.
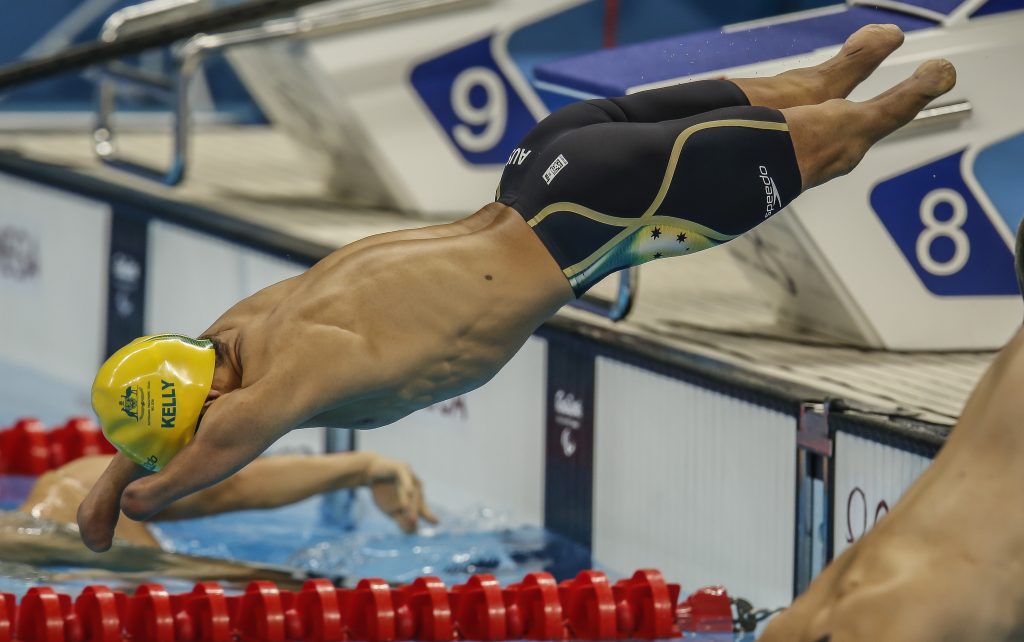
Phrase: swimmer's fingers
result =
(196, 467)
(408, 497)
(98, 513)
(423, 511)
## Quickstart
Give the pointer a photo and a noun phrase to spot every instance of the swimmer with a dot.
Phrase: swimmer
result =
(41, 531)
(396, 322)
(944, 564)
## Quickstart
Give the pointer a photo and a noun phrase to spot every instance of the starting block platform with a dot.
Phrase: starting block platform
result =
(931, 211)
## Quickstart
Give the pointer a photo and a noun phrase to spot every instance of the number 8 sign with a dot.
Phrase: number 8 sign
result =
(479, 111)
(943, 231)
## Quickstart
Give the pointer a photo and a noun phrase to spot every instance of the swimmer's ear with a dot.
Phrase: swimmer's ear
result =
(210, 398)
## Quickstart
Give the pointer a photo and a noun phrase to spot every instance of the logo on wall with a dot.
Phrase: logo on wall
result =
(456, 407)
(125, 279)
(19, 254)
(568, 415)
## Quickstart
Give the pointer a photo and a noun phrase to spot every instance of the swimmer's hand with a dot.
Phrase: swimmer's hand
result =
(99, 511)
(235, 430)
(398, 493)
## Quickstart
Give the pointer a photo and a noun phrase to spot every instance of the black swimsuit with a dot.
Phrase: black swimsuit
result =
(612, 183)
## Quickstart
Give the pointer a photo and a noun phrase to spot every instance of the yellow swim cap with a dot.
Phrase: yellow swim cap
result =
(148, 395)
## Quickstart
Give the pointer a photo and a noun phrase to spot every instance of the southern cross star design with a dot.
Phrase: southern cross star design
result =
(657, 255)
(681, 237)
(656, 233)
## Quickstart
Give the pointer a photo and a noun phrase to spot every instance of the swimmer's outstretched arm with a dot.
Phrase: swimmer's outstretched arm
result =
(279, 480)
(236, 429)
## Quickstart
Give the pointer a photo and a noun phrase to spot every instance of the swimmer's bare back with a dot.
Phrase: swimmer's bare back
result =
(398, 321)
(373, 332)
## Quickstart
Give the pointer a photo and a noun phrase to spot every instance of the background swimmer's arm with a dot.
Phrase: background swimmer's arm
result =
(235, 430)
(278, 480)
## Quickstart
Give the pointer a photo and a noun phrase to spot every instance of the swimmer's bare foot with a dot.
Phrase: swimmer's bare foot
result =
(900, 104)
(859, 57)
(945, 563)
(835, 78)
(831, 138)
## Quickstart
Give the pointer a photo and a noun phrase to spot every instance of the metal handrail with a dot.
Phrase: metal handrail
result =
(192, 54)
(98, 51)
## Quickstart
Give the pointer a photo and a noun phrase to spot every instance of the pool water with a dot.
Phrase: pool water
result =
(344, 538)
(354, 542)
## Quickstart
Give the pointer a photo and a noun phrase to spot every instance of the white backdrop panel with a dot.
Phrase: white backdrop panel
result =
(698, 484)
(485, 448)
(193, 278)
(870, 478)
(53, 281)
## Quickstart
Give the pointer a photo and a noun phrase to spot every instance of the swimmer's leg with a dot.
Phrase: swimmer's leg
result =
(830, 139)
(616, 195)
(835, 78)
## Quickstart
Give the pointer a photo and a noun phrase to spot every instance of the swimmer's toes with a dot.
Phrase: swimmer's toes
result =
(875, 40)
(936, 77)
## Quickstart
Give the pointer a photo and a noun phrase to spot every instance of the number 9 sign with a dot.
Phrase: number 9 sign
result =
(492, 114)
(473, 103)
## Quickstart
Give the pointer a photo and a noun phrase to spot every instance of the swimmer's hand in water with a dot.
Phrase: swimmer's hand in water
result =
(398, 493)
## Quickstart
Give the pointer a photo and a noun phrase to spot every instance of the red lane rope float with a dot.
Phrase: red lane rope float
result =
(479, 607)
(316, 613)
(40, 616)
(259, 613)
(648, 601)
(587, 607)
(368, 611)
(100, 613)
(8, 608)
(539, 608)
(29, 448)
(150, 615)
(426, 607)
(709, 610)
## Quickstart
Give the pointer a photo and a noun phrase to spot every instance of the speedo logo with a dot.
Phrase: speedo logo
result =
(556, 166)
(771, 193)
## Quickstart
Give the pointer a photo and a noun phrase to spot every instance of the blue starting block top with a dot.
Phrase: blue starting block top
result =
(616, 71)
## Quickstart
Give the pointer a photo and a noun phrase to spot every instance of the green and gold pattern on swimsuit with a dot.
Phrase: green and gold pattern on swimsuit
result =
(652, 235)
(645, 244)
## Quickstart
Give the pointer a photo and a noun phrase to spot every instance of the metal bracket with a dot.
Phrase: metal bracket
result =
(613, 309)
(174, 89)
(812, 546)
